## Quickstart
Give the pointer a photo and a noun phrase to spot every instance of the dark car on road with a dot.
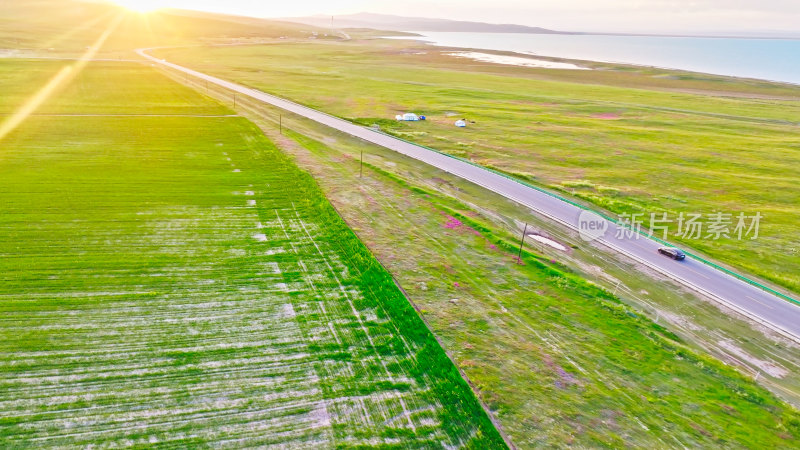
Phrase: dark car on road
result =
(673, 253)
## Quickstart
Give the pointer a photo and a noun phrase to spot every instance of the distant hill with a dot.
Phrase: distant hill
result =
(399, 23)
(71, 25)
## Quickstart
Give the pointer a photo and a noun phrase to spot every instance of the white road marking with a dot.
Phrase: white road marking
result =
(759, 301)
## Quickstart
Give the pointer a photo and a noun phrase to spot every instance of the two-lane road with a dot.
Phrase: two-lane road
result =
(759, 305)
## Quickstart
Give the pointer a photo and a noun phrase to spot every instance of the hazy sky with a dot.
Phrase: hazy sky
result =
(578, 15)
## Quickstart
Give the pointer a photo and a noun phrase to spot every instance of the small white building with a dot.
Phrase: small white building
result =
(461, 123)
(410, 117)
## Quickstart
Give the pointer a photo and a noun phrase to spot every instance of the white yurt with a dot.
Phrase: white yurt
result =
(411, 117)
(461, 123)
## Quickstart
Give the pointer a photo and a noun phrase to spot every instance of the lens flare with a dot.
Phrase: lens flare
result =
(59, 80)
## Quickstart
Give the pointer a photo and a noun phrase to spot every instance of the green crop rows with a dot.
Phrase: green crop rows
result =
(177, 280)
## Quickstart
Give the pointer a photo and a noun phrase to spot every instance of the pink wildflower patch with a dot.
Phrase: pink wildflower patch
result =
(606, 116)
(453, 223)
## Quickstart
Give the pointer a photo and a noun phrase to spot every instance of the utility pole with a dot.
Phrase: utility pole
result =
(524, 233)
(361, 173)
(280, 123)
(234, 100)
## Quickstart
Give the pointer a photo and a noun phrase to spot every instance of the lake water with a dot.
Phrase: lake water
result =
(767, 59)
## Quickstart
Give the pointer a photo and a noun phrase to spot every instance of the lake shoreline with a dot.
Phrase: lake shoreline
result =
(694, 63)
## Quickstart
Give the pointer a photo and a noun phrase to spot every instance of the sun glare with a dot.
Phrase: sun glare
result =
(141, 6)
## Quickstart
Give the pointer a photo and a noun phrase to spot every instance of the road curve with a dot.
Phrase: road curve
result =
(759, 305)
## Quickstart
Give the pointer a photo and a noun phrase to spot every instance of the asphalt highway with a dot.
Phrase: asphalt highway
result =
(758, 304)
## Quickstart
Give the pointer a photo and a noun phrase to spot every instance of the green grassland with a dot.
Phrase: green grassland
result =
(173, 278)
(627, 140)
(559, 361)
(113, 88)
(169, 277)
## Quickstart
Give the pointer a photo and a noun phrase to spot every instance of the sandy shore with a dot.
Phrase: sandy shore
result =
(516, 61)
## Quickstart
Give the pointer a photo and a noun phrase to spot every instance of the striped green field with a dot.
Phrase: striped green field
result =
(170, 277)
